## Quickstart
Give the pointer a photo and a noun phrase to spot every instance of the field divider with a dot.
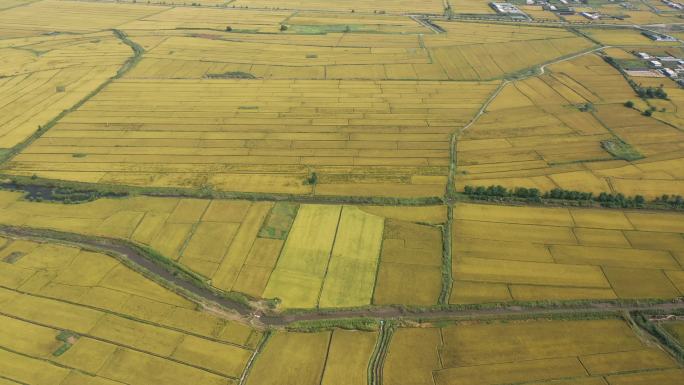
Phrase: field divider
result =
(377, 360)
(260, 348)
(447, 257)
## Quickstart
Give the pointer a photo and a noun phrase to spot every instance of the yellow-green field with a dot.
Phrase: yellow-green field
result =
(587, 352)
(265, 249)
(534, 254)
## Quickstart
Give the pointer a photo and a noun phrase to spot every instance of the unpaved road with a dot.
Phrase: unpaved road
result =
(210, 299)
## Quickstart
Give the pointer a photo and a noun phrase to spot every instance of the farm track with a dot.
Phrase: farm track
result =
(206, 297)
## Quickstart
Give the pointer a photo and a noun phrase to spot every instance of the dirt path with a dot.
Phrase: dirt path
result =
(208, 298)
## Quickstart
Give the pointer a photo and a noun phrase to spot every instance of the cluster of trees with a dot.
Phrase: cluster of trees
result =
(568, 195)
(498, 192)
(675, 201)
(650, 92)
(643, 92)
(620, 201)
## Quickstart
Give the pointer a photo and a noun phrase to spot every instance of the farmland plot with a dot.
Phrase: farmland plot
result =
(306, 255)
(528, 254)
(368, 6)
(526, 352)
(534, 135)
(40, 77)
(71, 16)
(70, 314)
(327, 358)
(361, 138)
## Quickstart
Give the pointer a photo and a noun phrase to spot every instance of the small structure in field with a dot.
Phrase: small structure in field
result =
(657, 36)
(508, 9)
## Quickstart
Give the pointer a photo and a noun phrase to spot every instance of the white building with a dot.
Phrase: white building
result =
(656, 63)
(507, 9)
(669, 73)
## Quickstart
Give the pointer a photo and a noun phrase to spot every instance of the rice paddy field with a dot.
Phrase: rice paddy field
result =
(361, 138)
(42, 76)
(330, 357)
(362, 254)
(72, 316)
(366, 6)
(535, 254)
(592, 352)
(554, 144)
(260, 192)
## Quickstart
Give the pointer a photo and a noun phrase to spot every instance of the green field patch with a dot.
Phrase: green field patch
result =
(621, 150)
(279, 221)
(13, 257)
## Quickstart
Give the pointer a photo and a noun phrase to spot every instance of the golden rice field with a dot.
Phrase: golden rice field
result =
(624, 37)
(338, 357)
(71, 316)
(38, 17)
(318, 48)
(470, 6)
(162, 23)
(361, 138)
(367, 6)
(582, 352)
(315, 113)
(502, 253)
(42, 76)
(534, 135)
(361, 255)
